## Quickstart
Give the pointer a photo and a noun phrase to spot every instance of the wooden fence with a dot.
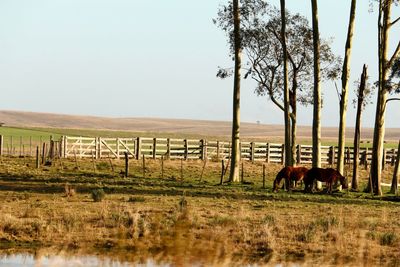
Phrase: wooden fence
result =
(169, 148)
(187, 149)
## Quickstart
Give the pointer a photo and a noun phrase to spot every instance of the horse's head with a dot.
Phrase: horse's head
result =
(343, 182)
(275, 186)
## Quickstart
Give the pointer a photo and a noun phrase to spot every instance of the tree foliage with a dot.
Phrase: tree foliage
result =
(261, 41)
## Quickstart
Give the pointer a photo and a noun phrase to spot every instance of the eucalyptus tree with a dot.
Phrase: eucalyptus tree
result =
(344, 92)
(363, 94)
(288, 143)
(235, 151)
(261, 26)
(316, 132)
(386, 85)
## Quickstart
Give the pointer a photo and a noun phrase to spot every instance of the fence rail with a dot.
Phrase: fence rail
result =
(187, 149)
(169, 148)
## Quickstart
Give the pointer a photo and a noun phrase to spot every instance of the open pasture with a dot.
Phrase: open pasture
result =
(180, 214)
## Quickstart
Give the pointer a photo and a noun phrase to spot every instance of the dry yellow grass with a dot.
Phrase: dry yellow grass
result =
(187, 222)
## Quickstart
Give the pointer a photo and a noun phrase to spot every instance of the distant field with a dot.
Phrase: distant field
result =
(45, 124)
(56, 133)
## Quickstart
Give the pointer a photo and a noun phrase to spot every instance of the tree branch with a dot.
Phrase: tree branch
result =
(395, 55)
(390, 99)
(394, 22)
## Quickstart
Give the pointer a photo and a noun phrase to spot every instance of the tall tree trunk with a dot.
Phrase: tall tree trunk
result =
(395, 181)
(293, 105)
(294, 137)
(316, 138)
(345, 85)
(235, 151)
(357, 133)
(379, 130)
(288, 157)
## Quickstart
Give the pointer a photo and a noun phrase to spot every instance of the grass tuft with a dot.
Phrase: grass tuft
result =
(98, 195)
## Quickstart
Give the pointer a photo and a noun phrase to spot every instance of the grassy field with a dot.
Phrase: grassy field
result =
(182, 216)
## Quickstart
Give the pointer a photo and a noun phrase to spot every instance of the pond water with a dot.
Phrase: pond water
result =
(27, 260)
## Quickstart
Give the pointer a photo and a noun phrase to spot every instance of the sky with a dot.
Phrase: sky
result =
(131, 58)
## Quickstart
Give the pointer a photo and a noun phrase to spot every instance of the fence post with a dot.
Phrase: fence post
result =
(222, 172)
(154, 148)
(283, 154)
(186, 149)
(37, 157)
(203, 144)
(168, 148)
(268, 148)
(1, 145)
(126, 164)
(298, 154)
(138, 148)
(252, 152)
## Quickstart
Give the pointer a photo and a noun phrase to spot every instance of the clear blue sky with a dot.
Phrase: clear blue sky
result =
(130, 58)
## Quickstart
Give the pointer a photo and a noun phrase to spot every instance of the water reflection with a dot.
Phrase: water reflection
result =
(28, 260)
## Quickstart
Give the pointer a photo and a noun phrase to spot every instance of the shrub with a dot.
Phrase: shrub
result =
(98, 195)
(388, 239)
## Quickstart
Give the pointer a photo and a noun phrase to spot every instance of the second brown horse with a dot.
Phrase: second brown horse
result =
(289, 174)
(329, 176)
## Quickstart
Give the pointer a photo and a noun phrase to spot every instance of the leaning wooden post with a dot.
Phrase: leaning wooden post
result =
(126, 164)
(268, 152)
(1, 144)
(222, 172)
(283, 154)
(263, 176)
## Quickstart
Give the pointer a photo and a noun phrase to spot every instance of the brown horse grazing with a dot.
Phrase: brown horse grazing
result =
(290, 174)
(329, 176)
